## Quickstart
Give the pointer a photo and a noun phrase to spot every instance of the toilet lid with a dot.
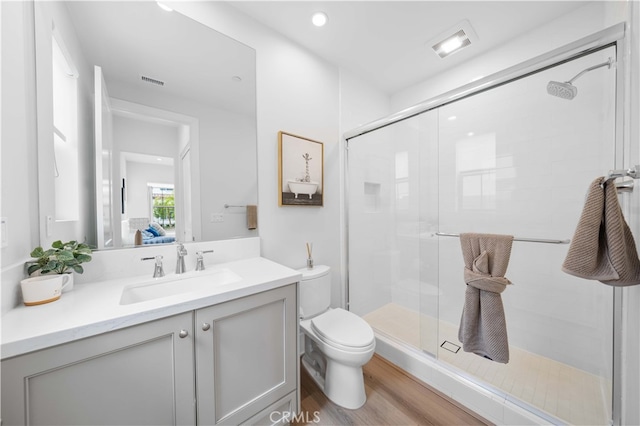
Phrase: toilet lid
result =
(343, 327)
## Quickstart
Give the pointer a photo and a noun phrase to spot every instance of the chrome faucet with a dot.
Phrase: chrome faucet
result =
(200, 259)
(157, 270)
(182, 252)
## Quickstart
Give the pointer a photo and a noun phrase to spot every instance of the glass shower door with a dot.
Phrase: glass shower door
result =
(515, 160)
(388, 232)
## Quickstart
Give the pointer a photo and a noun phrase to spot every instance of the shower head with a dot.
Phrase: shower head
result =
(567, 90)
(564, 90)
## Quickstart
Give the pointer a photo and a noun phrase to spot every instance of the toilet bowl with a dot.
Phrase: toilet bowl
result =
(337, 342)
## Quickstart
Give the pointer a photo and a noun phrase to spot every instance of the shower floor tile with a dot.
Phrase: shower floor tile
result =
(568, 393)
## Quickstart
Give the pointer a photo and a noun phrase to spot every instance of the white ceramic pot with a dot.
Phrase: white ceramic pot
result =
(44, 288)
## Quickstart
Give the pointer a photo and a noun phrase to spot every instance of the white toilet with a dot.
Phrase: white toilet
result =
(337, 342)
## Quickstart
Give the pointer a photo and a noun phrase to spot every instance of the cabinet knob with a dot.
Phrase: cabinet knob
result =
(183, 334)
(206, 326)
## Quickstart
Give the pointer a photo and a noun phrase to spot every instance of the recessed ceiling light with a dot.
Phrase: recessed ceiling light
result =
(453, 40)
(319, 19)
(453, 117)
(164, 7)
(470, 134)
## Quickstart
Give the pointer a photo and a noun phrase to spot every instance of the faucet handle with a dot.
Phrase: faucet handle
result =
(158, 271)
(200, 259)
(181, 250)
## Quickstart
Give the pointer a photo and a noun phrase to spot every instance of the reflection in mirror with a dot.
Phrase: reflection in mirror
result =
(145, 117)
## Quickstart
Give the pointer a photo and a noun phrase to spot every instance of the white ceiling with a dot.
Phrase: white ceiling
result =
(386, 42)
(129, 39)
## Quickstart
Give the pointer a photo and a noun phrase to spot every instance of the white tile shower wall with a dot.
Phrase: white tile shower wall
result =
(360, 104)
(543, 152)
(373, 259)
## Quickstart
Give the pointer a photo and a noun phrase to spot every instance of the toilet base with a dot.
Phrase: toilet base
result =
(345, 383)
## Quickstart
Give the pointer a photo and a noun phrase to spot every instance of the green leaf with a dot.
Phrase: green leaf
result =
(81, 258)
(49, 252)
(31, 269)
(37, 252)
(77, 268)
(64, 256)
(57, 244)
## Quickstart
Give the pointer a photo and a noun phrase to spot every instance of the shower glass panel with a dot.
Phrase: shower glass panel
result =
(385, 247)
(510, 160)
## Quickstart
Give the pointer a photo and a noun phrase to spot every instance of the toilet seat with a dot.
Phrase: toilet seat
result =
(344, 330)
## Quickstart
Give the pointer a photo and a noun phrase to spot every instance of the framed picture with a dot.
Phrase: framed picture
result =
(300, 171)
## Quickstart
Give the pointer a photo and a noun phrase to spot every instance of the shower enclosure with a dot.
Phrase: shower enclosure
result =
(503, 158)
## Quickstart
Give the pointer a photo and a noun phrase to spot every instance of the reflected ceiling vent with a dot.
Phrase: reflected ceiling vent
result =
(453, 40)
(152, 80)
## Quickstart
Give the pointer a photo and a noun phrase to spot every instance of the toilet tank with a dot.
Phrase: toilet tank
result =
(315, 291)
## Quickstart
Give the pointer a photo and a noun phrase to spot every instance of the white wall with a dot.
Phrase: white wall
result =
(227, 148)
(144, 137)
(222, 135)
(19, 175)
(297, 93)
(565, 29)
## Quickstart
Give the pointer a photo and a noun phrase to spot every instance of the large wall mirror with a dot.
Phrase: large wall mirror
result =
(145, 117)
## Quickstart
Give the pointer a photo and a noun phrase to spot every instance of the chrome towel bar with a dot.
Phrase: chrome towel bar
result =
(527, 240)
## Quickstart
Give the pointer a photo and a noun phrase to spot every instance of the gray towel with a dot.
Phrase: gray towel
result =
(603, 247)
(483, 328)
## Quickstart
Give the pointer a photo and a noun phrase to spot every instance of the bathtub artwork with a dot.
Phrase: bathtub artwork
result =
(300, 171)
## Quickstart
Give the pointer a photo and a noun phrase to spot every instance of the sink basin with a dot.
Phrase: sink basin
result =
(195, 282)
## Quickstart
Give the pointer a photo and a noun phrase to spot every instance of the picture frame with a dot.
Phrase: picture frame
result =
(300, 171)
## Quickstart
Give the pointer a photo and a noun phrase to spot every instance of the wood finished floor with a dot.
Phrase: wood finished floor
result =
(393, 398)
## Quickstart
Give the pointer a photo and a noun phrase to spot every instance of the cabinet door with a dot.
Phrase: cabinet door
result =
(246, 355)
(141, 375)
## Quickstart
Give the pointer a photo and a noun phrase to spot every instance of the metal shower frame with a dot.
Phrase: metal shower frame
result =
(612, 36)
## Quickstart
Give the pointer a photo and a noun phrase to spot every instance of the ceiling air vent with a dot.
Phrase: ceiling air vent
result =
(152, 80)
(453, 40)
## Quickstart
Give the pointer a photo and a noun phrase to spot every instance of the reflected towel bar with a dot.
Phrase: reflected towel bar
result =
(528, 240)
(226, 206)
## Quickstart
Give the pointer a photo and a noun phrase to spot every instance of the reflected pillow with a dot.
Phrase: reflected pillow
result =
(152, 231)
(159, 229)
(146, 234)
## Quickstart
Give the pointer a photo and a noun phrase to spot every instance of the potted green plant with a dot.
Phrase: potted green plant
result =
(61, 258)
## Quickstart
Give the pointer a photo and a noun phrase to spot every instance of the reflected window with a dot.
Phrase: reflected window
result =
(163, 204)
(476, 172)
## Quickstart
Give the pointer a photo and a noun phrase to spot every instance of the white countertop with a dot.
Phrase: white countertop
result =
(91, 309)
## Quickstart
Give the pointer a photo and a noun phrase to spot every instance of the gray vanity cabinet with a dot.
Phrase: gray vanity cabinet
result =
(246, 359)
(244, 370)
(140, 375)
